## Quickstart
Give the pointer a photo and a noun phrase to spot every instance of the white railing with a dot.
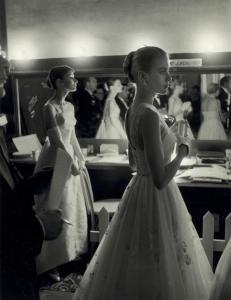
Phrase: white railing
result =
(209, 242)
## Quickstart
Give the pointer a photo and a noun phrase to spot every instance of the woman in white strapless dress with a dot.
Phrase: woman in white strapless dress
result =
(60, 122)
(178, 108)
(211, 127)
(151, 250)
(111, 126)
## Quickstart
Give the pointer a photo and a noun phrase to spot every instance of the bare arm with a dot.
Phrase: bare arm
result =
(54, 132)
(150, 130)
(131, 159)
(52, 127)
(76, 146)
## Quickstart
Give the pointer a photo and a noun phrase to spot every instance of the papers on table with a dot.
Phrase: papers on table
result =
(109, 149)
(27, 143)
(188, 162)
(102, 159)
(206, 174)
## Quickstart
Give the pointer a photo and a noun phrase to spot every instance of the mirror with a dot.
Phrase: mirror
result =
(101, 103)
(204, 101)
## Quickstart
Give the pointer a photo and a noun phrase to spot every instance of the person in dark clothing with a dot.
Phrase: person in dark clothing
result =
(88, 109)
(225, 99)
(21, 231)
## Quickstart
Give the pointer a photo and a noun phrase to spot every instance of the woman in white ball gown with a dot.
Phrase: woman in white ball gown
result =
(151, 249)
(212, 127)
(111, 126)
(60, 123)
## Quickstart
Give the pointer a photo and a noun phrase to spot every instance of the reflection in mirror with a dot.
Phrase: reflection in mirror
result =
(215, 107)
(100, 107)
(203, 100)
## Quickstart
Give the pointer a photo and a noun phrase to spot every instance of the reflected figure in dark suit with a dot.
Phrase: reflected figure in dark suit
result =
(88, 109)
(22, 232)
(225, 99)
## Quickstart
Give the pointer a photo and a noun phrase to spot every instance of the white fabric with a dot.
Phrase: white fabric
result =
(151, 250)
(222, 282)
(110, 126)
(211, 127)
(73, 239)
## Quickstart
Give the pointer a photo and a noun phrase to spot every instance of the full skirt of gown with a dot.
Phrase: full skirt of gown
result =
(211, 128)
(221, 289)
(72, 241)
(151, 250)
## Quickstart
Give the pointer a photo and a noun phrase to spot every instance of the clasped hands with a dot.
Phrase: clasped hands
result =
(77, 167)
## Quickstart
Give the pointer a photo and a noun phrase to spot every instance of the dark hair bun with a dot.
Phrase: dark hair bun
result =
(127, 65)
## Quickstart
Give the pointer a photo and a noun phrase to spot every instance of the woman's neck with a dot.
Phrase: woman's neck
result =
(60, 96)
(143, 97)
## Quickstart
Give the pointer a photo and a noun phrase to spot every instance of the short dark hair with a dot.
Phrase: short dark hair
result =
(225, 80)
(55, 73)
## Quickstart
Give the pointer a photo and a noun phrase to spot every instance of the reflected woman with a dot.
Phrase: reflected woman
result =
(177, 108)
(111, 126)
(211, 127)
(60, 123)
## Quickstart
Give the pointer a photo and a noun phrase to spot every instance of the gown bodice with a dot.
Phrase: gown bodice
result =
(167, 137)
(66, 122)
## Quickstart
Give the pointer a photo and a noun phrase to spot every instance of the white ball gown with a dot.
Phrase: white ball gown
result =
(111, 126)
(72, 240)
(151, 250)
(212, 127)
(222, 282)
(177, 108)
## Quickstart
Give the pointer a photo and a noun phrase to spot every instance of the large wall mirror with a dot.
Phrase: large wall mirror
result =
(101, 102)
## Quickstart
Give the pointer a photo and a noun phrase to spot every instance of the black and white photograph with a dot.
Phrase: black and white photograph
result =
(115, 150)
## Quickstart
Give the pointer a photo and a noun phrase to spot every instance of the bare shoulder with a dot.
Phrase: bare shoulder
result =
(48, 106)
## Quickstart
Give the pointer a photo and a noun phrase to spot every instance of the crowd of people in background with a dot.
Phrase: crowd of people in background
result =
(181, 103)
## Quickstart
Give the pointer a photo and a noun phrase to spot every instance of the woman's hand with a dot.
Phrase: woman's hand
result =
(184, 145)
(74, 169)
(81, 164)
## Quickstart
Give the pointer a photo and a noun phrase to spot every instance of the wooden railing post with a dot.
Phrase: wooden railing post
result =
(208, 235)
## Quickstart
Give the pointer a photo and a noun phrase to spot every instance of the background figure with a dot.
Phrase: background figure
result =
(21, 231)
(88, 108)
(211, 127)
(221, 289)
(60, 123)
(224, 97)
(110, 126)
(121, 101)
(176, 107)
(131, 93)
(195, 99)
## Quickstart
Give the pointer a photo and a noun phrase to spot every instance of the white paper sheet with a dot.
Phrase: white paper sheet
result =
(27, 143)
(213, 172)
